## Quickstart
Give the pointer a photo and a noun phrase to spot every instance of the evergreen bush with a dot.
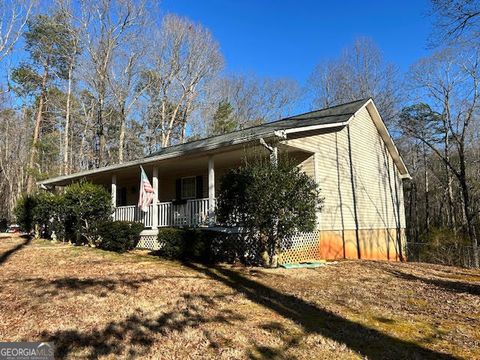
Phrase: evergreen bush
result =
(270, 201)
(74, 214)
(188, 244)
(86, 207)
(119, 236)
(24, 212)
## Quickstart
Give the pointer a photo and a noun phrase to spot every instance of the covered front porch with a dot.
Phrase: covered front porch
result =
(185, 191)
(186, 185)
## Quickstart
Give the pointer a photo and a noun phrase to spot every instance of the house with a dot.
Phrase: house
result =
(346, 149)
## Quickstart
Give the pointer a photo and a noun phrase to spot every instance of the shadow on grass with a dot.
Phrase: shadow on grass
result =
(448, 285)
(69, 286)
(363, 340)
(135, 335)
(4, 256)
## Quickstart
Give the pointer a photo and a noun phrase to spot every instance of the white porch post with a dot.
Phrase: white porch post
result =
(155, 198)
(114, 194)
(211, 191)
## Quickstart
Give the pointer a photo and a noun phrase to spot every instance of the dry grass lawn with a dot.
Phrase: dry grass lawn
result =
(95, 304)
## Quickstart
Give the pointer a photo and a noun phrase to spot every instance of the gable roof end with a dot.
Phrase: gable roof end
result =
(349, 111)
(387, 138)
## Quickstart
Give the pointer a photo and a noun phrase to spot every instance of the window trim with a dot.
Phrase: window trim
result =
(194, 187)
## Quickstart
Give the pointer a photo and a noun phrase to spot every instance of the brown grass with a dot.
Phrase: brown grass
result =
(92, 304)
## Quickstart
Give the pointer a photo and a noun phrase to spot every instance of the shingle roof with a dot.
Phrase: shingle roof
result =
(332, 115)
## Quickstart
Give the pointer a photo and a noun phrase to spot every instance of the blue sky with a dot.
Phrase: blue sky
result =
(287, 38)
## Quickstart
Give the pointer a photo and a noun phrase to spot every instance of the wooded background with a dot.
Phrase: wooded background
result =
(105, 82)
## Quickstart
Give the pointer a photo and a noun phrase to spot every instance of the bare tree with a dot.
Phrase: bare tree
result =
(13, 157)
(185, 58)
(106, 25)
(45, 40)
(125, 74)
(70, 52)
(449, 79)
(257, 100)
(360, 72)
(14, 15)
(457, 18)
(253, 99)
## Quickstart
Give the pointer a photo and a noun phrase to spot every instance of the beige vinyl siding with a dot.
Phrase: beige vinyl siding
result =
(308, 166)
(333, 176)
(377, 182)
(378, 186)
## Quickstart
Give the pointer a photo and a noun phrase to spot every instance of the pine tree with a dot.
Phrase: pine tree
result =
(223, 121)
(46, 39)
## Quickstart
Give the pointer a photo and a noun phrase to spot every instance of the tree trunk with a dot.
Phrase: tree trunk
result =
(427, 190)
(451, 209)
(469, 214)
(67, 123)
(36, 130)
(121, 139)
(412, 213)
(100, 132)
(184, 132)
(71, 158)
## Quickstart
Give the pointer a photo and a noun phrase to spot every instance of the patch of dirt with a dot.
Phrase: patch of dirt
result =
(96, 304)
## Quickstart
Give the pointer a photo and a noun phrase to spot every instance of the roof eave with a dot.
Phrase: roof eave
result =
(314, 127)
(156, 158)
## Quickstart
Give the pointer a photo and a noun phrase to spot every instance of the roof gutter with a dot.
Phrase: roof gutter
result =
(314, 127)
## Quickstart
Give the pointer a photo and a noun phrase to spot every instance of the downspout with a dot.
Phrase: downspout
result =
(354, 197)
(281, 134)
(273, 152)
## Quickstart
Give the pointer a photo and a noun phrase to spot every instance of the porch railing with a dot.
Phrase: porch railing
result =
(133, 213)
(190, 214)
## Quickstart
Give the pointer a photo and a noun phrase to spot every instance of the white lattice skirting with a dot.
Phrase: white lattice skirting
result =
(297, 248)
(300, 247)
(148, 241)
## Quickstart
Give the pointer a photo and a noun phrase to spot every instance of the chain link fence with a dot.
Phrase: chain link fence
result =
(452, 254)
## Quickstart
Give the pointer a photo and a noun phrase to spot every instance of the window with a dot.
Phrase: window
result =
(189, 187)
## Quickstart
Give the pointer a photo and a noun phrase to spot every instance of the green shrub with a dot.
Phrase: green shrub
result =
(42, 211)
(173, 243)
(24, 212)
(270, 201)
(199, 245)
(187, 244)
(75, 214)
(119, 236)
(49, 214)
(86, 207)
(3, 225)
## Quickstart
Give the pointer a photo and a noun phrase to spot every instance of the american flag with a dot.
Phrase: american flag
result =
(146, 192)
